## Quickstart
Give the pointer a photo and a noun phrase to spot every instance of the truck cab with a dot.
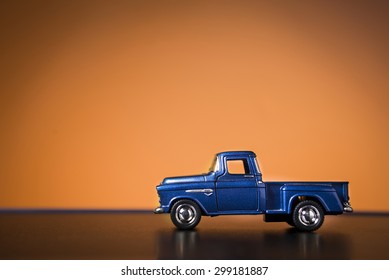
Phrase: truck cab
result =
(237, 183)
(233, 186)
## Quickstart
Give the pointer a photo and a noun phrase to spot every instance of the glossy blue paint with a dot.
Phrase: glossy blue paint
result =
(219, 192)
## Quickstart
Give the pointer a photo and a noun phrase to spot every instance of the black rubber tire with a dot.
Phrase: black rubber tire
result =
(185, 214)
(308, 215)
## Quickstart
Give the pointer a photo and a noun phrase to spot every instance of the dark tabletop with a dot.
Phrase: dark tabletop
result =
(121, 235)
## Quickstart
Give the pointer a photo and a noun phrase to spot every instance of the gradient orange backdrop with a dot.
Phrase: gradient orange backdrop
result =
(102, 99)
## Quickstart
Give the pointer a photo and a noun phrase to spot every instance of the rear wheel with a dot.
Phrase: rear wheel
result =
(308, 215)
(185, 214)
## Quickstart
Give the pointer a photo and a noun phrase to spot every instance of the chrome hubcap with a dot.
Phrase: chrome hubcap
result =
(309, 215)
(185, 213)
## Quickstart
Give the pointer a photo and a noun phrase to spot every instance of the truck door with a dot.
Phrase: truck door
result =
(236, 188)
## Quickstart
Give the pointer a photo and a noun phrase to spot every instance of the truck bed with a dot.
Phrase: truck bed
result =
(278, 194)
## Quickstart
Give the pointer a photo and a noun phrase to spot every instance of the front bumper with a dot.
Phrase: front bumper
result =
(347, 207)
(158, 210)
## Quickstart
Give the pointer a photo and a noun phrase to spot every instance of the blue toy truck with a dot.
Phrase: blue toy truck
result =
(234, 186)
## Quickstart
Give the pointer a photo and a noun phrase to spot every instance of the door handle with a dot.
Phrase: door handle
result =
(249, 176)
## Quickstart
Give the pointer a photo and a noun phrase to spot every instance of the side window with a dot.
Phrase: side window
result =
(238, 166)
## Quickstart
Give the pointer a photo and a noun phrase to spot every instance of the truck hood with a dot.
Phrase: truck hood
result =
(184, 179)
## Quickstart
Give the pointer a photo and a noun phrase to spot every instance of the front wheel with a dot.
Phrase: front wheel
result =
(185, 214)
(308, 215)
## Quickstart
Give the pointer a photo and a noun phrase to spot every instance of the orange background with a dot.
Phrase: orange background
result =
(102, 99)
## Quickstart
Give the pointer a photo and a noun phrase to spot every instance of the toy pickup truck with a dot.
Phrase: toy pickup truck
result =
(234, 186)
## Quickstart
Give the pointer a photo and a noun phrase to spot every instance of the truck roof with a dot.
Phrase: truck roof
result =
(237, 153)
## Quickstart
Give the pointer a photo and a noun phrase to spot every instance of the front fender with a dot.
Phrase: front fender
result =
(204, 209)
(204, 197)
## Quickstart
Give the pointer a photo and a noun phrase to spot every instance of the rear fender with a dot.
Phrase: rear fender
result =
(328, 200)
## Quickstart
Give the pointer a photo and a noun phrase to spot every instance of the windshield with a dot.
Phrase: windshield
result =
(215, 165)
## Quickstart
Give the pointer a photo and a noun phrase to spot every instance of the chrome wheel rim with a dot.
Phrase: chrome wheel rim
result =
(309, 215)
(185, 213)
